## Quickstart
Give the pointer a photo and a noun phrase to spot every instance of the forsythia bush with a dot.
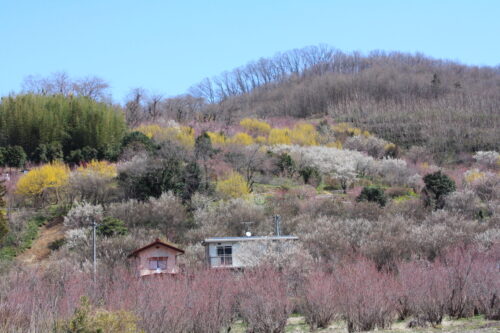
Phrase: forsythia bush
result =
(255, 126)
(150, 130)
(36, 181)
(100, 168)
(233, 186)
(304, 135)
(345, 128)
(184, 135)
(242, 139)
(217, 138)
(279, 136)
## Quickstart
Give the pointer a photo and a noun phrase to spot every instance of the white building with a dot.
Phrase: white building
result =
(235, 252)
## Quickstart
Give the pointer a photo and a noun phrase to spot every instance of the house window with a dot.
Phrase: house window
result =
(158, 263)
(225, 255)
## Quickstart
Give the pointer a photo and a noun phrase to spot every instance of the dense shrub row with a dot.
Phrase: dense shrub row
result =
(461, 283)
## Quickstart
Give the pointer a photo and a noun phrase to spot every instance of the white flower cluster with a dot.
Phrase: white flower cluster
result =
(490, 159)
(82, 214)
(348, 164)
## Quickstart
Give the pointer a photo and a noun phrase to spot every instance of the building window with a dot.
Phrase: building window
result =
(225, 255)
(158, 263)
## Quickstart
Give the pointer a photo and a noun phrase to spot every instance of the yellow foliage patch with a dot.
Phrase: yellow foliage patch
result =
(150, 130)
(53, 175)
(279, 136)
(255, 126)
(184, 135)
(261, 140)
(242, 139)
(234, 186)
(217, 138)
(304, 134)
(100, 168)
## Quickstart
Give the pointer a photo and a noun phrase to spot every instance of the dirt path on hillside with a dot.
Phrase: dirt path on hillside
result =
(40, 247)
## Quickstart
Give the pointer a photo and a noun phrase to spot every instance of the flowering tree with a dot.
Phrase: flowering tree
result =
(234, 186)
(38, 182)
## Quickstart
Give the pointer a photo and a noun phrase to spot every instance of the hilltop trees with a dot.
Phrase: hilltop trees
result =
(44, 125)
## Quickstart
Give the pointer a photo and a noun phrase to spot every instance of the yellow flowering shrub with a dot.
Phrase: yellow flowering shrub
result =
(279, 136)
(346, 129)
(234, 186)
(261, 140)
(255, 126)
(304, 134)
(242, 139)
(101, 168)
(217, 138)
(36, 181)
(150, 130)
(184, 135)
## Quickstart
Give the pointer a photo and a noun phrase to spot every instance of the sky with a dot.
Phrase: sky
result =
(166, 46)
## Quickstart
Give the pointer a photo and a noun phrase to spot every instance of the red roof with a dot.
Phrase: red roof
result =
(156, 242)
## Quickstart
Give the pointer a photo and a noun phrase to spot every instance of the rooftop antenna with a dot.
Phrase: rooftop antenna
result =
(277, 225)
(247, 228)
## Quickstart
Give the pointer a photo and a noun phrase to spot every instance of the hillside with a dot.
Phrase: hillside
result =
(386, 167)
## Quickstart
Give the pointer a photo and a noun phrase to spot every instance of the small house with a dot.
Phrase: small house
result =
(157, 257)
(239, 252)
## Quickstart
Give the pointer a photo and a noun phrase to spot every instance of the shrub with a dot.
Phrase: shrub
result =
(111, 226)
(490, 159)
(279, 136)
(255, 126)
(371, 145)
(234, 186)
(310, 175)
(137, 141)
(285, 165)
(374, 194)
(319, 303)
(263, 301)
(437, 186)
(82, 214)
(304, 135)
(368, 297)
(37, 182)
(426, 291)
(165, 213)
(56, 245)
(241, 139)
(484, 284)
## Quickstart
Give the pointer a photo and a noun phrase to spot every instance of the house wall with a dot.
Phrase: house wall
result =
(212, 253)
(142, 260)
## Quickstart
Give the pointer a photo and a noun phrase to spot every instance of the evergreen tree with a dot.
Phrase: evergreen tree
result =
(203, 151)
(437, 186)
(373, 194)
(15, 157)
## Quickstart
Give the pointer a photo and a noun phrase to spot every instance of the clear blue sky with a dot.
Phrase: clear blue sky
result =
(165, 46)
